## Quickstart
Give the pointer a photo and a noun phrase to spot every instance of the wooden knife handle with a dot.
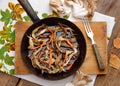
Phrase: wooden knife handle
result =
(98, 57)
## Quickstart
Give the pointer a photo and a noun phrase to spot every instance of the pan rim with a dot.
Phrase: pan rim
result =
(36, 24)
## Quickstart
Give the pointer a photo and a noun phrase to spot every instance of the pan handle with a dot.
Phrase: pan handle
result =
(29, 10)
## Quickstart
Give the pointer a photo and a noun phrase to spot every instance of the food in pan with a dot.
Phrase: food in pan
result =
(53, 49)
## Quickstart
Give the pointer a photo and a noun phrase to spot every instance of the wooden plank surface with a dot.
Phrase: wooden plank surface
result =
(8, 80)
(109, 7)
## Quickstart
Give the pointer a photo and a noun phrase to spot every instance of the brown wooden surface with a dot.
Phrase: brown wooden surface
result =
(20, 67)
(109, 7)
(100, 31)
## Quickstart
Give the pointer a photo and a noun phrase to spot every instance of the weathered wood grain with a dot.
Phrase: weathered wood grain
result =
(110, 7)
(7, 80)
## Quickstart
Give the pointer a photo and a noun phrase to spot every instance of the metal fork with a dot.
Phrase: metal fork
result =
(90, 35)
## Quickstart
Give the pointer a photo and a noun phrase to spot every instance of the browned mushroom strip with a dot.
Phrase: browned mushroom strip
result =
(52, 48)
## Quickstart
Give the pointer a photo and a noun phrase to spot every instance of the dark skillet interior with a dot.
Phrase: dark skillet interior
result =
(51, 22)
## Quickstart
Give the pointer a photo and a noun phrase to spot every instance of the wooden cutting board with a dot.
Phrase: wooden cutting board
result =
(90, 64)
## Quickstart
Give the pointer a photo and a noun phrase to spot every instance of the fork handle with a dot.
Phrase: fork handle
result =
(98, 57)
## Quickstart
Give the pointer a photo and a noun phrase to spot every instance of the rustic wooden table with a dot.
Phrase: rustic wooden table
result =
(108, 7)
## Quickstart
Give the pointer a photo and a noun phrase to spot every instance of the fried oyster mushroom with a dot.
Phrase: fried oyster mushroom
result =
(82, 8)
(57, 6)
(53, 49)
(80, 79)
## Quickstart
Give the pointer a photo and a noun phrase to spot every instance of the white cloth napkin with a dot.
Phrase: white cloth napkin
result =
(97, 17)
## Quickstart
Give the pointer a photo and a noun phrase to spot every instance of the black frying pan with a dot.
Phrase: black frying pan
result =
(50, 22)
